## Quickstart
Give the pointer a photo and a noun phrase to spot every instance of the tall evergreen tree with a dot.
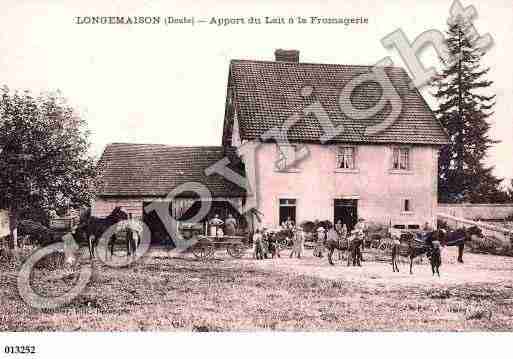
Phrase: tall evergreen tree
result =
(464, 106)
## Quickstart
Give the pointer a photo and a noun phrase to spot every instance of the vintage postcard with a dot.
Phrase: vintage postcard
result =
(290, 166)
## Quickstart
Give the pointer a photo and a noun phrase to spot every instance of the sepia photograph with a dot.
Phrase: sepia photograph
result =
(258, 168)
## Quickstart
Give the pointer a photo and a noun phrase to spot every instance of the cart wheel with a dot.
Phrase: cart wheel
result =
(203, 251)
(236, 250)
(283, 243)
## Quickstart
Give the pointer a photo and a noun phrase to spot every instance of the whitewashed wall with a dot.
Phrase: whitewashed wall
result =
(317, 183)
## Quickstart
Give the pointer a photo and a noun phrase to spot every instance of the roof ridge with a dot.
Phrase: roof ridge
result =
(311, 63)
(162, 145)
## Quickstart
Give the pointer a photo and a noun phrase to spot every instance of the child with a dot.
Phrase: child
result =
(321, 237)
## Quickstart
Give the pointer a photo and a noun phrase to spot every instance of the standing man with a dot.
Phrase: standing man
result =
(332, 234)
(258, 251)
(230, 225)
(360, 228)
(341, 230)
(215, 224)
(298, 243)
(321, 237)
(338, 227)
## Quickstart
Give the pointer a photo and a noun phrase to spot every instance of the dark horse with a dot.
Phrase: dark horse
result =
(408, 247)
(93, 228)
(352, 245)
(458, 237)
(416, 246)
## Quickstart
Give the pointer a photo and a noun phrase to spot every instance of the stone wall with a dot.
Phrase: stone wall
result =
(477, 211)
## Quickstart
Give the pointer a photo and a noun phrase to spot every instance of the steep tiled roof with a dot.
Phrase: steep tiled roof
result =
(155, 170)
(266, 93)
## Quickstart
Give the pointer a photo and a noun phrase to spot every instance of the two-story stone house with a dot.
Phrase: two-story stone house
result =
(388, 177)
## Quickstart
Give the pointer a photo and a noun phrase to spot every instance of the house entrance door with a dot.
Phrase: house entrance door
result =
(346, 210)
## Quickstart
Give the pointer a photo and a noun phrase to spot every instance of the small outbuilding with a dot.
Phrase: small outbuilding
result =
(134, 176)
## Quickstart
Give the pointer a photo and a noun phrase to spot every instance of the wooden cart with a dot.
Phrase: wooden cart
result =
(61, 226)
(207, 245)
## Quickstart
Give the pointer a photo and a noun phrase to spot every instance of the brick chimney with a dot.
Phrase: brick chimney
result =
(286, 55)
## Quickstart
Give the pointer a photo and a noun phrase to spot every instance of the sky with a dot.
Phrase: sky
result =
(167, 84)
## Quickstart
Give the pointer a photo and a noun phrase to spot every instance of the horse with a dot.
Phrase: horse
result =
(93, 228)
(284, 237)
(458, 237)
(449, 238)
(268, 244)
(355, 250)
(273, 241)
(273, 246)
(352, 245)
(340, 245)
(412, 249)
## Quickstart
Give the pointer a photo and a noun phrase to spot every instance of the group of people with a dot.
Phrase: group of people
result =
(340, 233)
(265, 241)
(220, 228)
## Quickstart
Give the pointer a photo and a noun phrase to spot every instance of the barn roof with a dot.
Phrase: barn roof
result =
(266, 93)
(129, 169)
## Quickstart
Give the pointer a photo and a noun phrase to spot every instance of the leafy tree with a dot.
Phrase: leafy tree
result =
(463, 110)
(44, 161)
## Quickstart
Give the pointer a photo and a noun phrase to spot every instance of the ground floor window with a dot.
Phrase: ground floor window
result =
(287, 210)
(406, 205)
